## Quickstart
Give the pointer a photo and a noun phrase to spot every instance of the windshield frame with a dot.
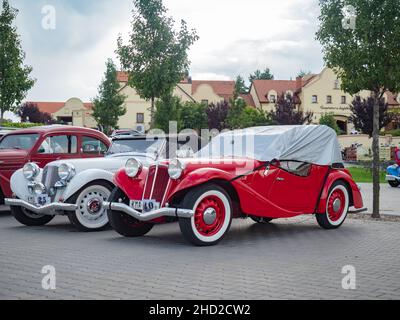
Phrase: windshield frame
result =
(149, 154)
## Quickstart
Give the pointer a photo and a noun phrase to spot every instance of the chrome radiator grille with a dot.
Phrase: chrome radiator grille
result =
(156, 184)
(50, 177)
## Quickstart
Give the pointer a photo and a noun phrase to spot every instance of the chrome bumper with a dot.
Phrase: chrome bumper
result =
(49, 209)
(148, 216)
(392, 178)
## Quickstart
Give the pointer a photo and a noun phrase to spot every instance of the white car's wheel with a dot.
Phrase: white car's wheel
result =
(91, 215)
(213, 215)
(337, 207)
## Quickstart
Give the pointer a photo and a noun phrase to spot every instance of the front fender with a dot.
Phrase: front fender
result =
(393, 170)
(198, 177)
(85, 177)
(332, 178)
(19, 185)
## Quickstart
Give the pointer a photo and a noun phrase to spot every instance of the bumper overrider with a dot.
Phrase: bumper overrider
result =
(148, 216)
(48, 209)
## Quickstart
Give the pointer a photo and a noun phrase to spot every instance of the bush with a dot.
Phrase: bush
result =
(394, 133)
(329, 120)
(20, 125)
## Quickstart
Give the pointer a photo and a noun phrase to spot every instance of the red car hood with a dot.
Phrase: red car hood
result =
(11, 155)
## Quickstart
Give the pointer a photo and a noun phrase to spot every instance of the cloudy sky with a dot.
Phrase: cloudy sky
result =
(236, 37)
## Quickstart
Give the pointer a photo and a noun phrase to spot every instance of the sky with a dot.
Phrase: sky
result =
(236, 37)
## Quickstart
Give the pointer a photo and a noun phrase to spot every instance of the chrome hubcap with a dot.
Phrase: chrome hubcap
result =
(336, 205)
(94, 206)
(210, 215)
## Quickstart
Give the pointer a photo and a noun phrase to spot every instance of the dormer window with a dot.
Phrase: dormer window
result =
(272, 98)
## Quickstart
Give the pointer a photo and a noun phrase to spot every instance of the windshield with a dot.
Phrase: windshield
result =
(142, 146)
(19, 141)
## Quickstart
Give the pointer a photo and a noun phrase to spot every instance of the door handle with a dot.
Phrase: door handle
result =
(280, 179)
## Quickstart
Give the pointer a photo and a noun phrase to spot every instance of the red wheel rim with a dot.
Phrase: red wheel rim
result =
(210, 216)
(336, 205)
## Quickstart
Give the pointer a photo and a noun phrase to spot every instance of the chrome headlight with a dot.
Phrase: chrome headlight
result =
(31, 171)
(66, 171)
(39, 189)
(133, 167)
(175, 169)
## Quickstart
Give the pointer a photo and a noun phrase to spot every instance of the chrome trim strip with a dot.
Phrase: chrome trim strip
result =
(165, 192)
(358, 210)
(145, 184)
(148, 216)
(154, 182)
(49, 209)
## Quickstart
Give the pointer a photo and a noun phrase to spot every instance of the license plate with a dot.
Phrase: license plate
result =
(41, 200)
(145, 205)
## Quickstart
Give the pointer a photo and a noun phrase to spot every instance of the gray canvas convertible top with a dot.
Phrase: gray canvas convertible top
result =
(313, 143)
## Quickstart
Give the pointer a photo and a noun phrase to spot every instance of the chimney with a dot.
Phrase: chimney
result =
(299, 83)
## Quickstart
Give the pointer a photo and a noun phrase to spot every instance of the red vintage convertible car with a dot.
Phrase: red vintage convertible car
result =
(264, 173)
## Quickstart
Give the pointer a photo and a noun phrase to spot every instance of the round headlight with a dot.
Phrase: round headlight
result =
(133, 167)
(39, 189)
(66, 171)
(31, 170)
(175, 169)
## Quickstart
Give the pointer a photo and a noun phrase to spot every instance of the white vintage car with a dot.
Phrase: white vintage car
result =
(77, 188)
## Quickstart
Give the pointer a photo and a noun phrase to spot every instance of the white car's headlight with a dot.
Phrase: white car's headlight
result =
(39, 189)
(31, 171)
(66, 171)
(175, 169)
(133, 167)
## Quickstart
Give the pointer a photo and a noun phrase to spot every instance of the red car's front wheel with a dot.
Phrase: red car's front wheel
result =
(212, 208)
(337, 207)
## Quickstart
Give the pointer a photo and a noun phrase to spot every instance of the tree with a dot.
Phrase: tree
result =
(156, 56)
(217, 114)
(167, 109)
(285, 112)
(193, 116)
(329, 120)
(363, 114)
(29, 112)
(14, 75)
(252, 117)
(303, 73)
(362, 46)
(261, 75)
(108, 105)
(240, 87)
(236, 109)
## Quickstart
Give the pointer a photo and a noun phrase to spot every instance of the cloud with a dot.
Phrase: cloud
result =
(236, 37)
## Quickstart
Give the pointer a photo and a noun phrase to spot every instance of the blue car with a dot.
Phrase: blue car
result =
(393, 172)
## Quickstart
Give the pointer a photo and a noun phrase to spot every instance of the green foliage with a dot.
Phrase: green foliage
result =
(394, 133)
(303, 73)
(156, 55)
(166, 110)
(261, 75)
(108, 105)
(252, 117)
(14, 75)
(20, 125)
(364, 175)
(240, 87)
(366, 58)
(193, 116)
(287, 113)
(329, 120)
(188, 115)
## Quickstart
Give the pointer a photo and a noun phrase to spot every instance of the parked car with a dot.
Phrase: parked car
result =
(77, 188)
(263, 173)
(393, 172)
(125, 132)
(5, 130)
(41, 145)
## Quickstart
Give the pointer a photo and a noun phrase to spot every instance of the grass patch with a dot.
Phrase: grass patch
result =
(365, 175)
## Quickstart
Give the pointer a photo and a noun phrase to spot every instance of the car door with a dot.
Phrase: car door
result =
(297, 186)
(56, 147)
(91, 147)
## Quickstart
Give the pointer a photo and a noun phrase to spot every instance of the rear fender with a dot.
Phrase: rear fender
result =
(336, 175)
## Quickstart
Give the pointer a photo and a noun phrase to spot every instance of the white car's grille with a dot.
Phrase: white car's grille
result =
(50, 177)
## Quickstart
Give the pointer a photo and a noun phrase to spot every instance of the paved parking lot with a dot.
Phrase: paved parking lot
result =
(289, 259)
